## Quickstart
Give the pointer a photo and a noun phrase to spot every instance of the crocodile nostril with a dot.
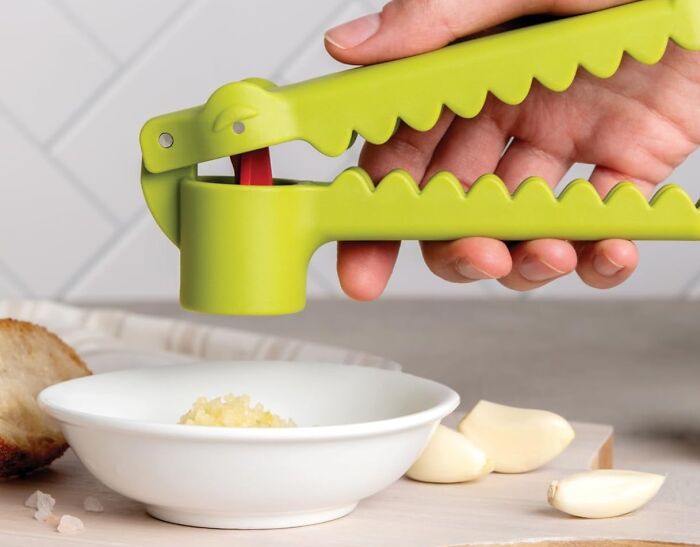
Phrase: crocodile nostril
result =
(165, 140)
(238, 127)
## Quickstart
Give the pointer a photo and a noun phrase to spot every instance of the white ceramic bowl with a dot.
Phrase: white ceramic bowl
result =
(359, 430)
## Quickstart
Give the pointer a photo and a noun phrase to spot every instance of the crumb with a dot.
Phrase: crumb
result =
(52, 519)
(92, 504)
(70, 525)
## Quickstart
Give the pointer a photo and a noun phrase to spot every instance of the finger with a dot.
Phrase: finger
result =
(606, 264)
(604, 179)
(467, 260)
(523, 160)
(364, 268)
(408, 27)
(536, 263)
(407, 149)
(468, 149)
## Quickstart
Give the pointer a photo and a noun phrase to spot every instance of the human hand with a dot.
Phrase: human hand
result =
(638, 125)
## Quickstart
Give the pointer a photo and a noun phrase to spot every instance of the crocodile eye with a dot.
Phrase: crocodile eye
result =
(165, 140)
(238, 127)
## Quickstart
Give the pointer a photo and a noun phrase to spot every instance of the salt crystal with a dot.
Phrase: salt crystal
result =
(33, 500)
(70, 525)
(43, 503)
(92, 504)
(43, 514)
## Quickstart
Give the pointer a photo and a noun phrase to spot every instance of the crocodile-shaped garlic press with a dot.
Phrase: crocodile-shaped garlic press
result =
(245, 247)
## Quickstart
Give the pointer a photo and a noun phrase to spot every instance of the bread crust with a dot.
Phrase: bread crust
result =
(20, 460)
(25, 327)
(15, 461)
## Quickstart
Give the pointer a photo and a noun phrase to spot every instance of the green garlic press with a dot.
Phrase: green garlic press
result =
(246, 241)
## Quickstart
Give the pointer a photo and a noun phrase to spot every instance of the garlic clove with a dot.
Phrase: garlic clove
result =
(516, 439)
(450, 457)
(603, 493)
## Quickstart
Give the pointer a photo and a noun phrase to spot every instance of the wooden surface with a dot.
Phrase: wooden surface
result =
(501, 509)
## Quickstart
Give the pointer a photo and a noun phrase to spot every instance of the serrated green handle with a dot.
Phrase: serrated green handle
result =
(246, 249)
(328, 111)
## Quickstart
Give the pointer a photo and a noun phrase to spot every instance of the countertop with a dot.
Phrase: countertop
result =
(631, 364)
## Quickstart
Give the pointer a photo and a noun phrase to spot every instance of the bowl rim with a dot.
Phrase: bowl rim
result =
(63, 413)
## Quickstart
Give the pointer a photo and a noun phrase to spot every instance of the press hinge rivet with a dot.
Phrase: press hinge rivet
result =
(165, 140)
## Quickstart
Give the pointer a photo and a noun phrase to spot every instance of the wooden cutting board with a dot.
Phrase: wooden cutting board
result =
(501, 509)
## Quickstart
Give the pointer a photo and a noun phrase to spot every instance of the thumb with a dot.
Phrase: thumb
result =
(409, 27)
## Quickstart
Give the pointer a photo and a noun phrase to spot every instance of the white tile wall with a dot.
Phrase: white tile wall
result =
(48, 66)
(79, 78)
(47, 226)
(120, 27)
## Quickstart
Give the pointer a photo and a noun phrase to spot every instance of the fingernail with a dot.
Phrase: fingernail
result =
(469, 271)
(353, 33)
(605, 266)
(536, 270)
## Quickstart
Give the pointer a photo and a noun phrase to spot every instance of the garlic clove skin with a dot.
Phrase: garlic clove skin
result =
(450, 457)
(516, 439)
(604, 493)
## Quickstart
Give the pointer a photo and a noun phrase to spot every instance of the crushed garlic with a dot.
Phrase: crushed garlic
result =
(232, 411)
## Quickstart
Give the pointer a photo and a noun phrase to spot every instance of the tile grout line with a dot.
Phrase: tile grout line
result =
(295, 52)
(83, 190)
(14, 278)
(88, 104)
(73, 18)
(94, 260)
